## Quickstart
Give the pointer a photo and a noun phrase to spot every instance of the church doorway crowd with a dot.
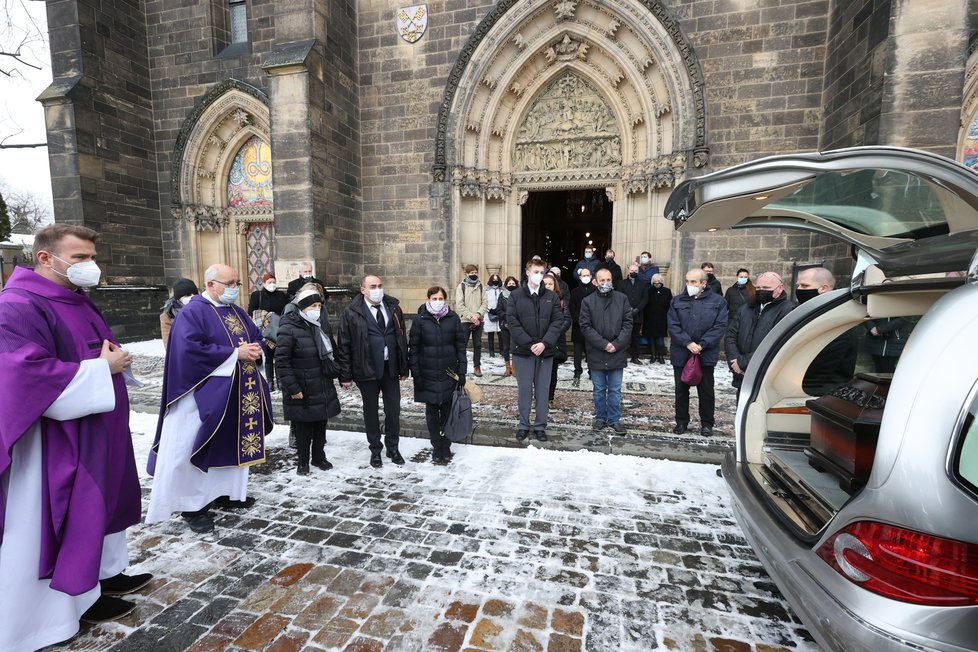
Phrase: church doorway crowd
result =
(557, 225)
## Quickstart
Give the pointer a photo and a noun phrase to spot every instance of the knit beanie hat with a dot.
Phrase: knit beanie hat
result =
(306, 297)
(184, 287)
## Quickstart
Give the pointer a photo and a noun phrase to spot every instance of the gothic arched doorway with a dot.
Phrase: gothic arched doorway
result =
(563, 97)
(558, 224)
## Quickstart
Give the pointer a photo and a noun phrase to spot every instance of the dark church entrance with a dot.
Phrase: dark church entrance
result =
(557, 225)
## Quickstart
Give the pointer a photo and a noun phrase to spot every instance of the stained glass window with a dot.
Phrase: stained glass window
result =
(250, 179)
(969, 155)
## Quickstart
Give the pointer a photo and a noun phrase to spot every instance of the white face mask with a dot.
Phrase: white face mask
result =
(437, 305)
(537, 278)
(692, 290)
(586, 280)
(376, 295)
(271, 287)
(644, 260)
(185, 300)
(312, 315)
(83, 275)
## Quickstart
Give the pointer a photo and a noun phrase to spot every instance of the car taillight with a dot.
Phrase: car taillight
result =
(905, 565)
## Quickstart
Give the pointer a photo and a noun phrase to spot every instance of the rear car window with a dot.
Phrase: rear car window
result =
(966, 460)
(887, 203)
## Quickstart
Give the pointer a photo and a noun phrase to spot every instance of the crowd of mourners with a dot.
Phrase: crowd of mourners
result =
(70, 487)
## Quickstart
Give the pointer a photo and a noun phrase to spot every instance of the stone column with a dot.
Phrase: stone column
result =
(926, 60)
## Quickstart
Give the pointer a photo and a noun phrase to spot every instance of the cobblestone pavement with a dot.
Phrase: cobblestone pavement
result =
(505, 549)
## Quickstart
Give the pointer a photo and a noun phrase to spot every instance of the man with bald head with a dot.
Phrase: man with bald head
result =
(752, 322)
(697, 320)
(371, 350)
(836, 363)
(215, 410)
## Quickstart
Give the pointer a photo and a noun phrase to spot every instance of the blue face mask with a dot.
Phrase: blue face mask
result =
(230, 295)
(742, 280)
(587, 255)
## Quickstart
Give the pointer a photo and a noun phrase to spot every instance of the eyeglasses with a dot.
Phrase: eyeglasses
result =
(230, 284)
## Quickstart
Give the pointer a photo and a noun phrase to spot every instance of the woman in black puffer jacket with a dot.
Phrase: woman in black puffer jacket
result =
(437, 344)
(306, 369)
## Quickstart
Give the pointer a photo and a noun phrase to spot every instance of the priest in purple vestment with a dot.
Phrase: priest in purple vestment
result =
(68, 482)
(216, 408)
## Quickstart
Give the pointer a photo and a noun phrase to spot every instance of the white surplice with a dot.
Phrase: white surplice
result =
(178, 486)
(32, 614)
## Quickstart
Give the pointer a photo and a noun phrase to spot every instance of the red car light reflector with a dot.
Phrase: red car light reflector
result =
(905, 565)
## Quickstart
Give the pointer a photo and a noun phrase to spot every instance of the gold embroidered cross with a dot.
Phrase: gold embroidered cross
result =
(241, 341)
(250, 384)
(251, 423)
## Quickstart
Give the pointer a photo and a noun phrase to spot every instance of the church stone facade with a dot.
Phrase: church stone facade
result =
(405, 139)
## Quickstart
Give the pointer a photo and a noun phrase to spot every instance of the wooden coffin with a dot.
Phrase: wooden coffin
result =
(845, 427)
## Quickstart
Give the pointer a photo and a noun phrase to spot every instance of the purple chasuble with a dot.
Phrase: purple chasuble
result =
(90, 487)
(235, 411)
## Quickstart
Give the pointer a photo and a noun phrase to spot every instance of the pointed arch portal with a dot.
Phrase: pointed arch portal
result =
(591, 95)
(222, 182)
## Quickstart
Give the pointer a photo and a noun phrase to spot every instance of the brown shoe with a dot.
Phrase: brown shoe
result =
(478, 372)
(507, 369)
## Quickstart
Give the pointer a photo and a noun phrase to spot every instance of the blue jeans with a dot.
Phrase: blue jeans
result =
(607, 394)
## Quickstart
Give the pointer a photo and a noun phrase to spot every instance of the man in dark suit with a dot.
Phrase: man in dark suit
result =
(372, 351)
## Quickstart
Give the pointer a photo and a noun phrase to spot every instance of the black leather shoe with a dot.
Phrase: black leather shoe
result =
(303, 469)
(598, 425)
(679, 428)
(436, 456)
(107, 608)
(521, 434)
(706, 431)
(576, 382)
(447, 455)
(636, 361)
(375, 460)
(541, 435)
(122, 584)
(325, 465)
(200, 523)
(395, 456)
(225, 502)
(618, 428)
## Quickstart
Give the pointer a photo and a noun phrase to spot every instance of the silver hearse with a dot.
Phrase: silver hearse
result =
(862, 502)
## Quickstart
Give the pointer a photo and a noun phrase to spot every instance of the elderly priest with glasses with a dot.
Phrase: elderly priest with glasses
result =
(215, 410)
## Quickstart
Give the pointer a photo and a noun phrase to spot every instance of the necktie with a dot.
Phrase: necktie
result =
(380, 317)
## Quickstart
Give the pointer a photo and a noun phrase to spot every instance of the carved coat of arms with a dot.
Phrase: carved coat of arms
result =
(412, 22)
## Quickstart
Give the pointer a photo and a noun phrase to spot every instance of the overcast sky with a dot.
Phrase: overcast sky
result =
(25, 169)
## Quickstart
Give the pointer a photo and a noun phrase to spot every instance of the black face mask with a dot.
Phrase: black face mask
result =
(710, 277)
(609, 259)
(632, 274)
(510, 287)
(657, 285)
(765, 296)
(473, 277)
(805, 295)
(495, 284)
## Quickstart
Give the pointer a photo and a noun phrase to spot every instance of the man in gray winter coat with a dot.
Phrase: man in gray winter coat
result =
(606, 322)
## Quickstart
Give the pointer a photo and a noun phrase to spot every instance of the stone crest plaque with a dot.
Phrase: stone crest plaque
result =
(412, 22)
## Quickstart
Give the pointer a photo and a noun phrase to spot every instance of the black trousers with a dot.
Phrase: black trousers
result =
(436, 415)
(370, 391)
(579, 357)
(475, 332)
(633, 345)
(553, 378)
(311, 438)
(704, 391)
